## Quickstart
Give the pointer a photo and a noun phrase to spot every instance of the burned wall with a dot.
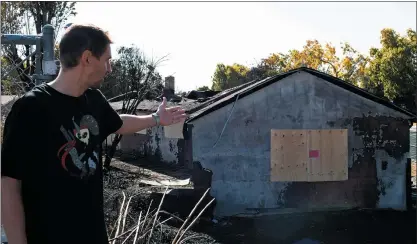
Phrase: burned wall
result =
(152, 146)
(240, 161)
(162, 149)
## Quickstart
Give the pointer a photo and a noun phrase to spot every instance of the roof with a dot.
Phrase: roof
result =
(152, 105)
(201, 94)
(201, 107)
(191, 106)
(230, 95)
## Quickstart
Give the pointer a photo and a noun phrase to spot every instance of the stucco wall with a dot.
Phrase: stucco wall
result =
(378, 148)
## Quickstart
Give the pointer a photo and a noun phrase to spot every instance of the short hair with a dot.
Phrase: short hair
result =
(79, 38)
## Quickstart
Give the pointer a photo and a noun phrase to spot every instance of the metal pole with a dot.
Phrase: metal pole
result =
(48, 62)
(16, 39)
(38, 70)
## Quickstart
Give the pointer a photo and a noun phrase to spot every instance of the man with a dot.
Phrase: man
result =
(52, 185)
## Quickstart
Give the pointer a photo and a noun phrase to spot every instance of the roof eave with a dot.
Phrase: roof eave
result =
(266, 82)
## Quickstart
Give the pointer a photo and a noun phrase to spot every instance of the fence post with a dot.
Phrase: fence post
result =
(48, 63)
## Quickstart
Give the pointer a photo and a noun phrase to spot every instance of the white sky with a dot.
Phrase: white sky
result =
(197, 36)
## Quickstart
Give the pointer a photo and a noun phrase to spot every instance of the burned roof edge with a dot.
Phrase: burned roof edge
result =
(258, 84)
(266, 82)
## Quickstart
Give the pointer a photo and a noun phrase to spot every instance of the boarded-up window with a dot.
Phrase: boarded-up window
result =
(309, 155)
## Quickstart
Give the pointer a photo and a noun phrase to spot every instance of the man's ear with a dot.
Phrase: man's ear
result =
(86, 58)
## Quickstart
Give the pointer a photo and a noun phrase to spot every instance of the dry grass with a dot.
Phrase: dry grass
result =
(414, 169)
(142, 231)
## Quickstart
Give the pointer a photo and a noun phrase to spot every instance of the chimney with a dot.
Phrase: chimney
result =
(170, 84)
(169, 87)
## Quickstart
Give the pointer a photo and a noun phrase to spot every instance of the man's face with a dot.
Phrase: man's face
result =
(99, 68)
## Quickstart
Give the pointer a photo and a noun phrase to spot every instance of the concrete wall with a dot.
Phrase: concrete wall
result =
(378, 147)
(152, 146)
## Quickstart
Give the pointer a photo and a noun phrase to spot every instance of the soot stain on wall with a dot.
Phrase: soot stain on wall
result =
(363, 188)
(385, 133)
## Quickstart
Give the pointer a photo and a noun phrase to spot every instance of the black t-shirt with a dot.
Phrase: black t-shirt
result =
(52, 143)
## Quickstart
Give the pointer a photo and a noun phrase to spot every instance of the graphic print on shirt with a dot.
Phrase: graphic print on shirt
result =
(79, 156)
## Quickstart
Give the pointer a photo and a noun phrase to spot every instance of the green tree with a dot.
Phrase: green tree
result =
(11, 17)
(228, 76)
(393, 68)
(349, 67)
(42, 13)
(389, 71)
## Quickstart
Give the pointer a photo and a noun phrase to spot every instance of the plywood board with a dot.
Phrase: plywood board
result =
(309, 155)
(340, 155)
(289, 166)
(175, 130)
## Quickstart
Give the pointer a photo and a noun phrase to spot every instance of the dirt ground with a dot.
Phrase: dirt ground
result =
(128, 179)
(342, 227)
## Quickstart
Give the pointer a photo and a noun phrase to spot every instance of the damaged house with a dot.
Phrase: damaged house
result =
(300, 140)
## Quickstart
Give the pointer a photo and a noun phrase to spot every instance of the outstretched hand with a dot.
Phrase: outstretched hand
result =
(169, 116)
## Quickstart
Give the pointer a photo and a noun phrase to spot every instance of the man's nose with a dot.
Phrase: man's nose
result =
(109, 69)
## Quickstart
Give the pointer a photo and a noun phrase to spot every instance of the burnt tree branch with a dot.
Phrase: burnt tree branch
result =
(140, 82)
